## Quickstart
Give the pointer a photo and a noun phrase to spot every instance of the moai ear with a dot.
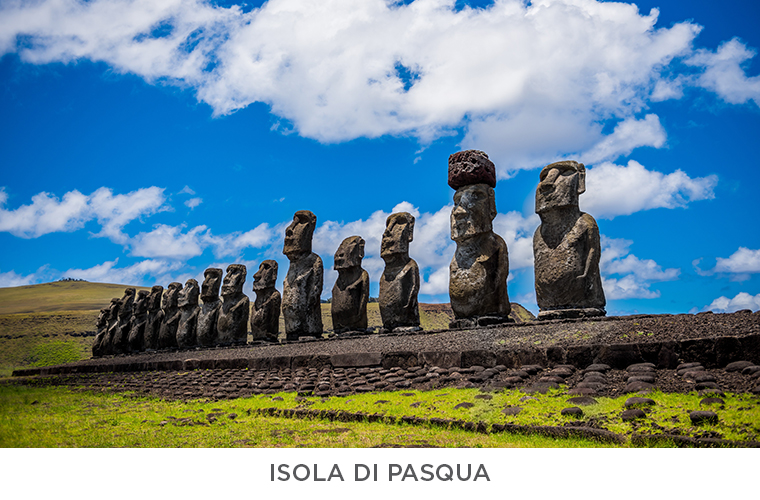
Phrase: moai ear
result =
(492, 203)
(411, 230)
(361, 248)
(581, 178)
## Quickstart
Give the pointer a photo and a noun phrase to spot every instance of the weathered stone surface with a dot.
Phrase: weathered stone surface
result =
(738, 366)
(351, 291)
(632, 414)
(356, 360)
(206, 333)
(302, 288)
(400, 282)
(573, 411)
(582, 401)
(711, 401)
(636, 401)
(479, 269)
(155, 318)
(232, 322)
(101, 330)
(566, 246)
(187, 333)
(167, 336)
(121, 332)
(703, 417)
(471, 167)
(265, 315)
(139, 322)
(511, 411)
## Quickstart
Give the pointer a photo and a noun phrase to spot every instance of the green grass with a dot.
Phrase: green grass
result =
(59, 417)
(59, 296)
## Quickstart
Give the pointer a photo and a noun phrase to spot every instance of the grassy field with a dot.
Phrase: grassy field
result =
(58, 417)
(54, 323)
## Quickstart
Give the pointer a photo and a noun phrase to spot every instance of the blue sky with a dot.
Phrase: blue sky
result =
(144, 141)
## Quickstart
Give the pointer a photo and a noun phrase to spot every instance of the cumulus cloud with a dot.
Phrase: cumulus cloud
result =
(634, 275)
(169, 242)
(741, 301)
(741, 264)
(723, 73)
(193, 202)
(614, 190)
(48, 214)
(529, 81)
(146, 272)
(12, 278)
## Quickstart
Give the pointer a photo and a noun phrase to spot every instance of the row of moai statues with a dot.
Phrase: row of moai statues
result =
(566, 250)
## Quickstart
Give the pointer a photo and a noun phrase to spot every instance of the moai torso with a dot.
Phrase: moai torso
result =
(209, 312)
(479, 269)
(101, 326)
(121, 333)
(113, 326)
(154, 320)
(265, 316)
(167, 335)
(351, 291)
(566, 247)
(139, 322)
(188, 319)
(400, 282)
(302, 288)
(232, 321)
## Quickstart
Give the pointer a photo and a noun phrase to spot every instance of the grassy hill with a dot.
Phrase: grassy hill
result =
(54, 323)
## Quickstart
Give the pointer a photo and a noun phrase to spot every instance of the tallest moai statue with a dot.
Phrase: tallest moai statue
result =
(479, 269)
(566, 246)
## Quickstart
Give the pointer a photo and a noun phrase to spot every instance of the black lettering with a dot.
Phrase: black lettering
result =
(283, 469)
(356, 472)
(469, 471)
(448, 477)
(391, 473)
(375, 475)
(334, 472)
(481, 467)
(427, 472)
(295, 472)
(316, 474)
(409, 472)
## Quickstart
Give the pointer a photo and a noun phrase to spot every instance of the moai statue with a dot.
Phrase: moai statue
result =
(121, 334)
(302, 288)
(232, 322)
(139, 322)
(566, 247)
(106, 347)
(265, 316)
(101, 325)
(155, 319)
(479, 269)
(188, 320)
(167, 335)
(351, 291)
(209, 313)
(400, 282)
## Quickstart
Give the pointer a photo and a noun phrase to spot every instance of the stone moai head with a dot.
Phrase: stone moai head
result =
(473, 176)
(188, 296)
(141, 303)
(154, 299)
(113, 309)
(266, 276)
(234, 280)
(102, 318)
(299, 233)
(171, 296)
(212, 282)
(127, 301)
(350, 253)
(399, 232)
(560, 186)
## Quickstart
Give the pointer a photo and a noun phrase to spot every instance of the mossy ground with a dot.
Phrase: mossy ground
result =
(59, 417)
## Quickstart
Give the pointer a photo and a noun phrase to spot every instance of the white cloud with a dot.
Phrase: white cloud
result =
(539, 77)
(161, 272)
(233, 244)
(11, 278)
(193, 202)
(186, 190)
(635, 275)
(48, 214)
(741, 301)
(724, 75)
(614, 190)
(743, 261)
(169, 242)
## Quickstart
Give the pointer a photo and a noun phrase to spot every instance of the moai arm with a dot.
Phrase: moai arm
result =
(591, 234)
(412, 276)
(315, 286)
